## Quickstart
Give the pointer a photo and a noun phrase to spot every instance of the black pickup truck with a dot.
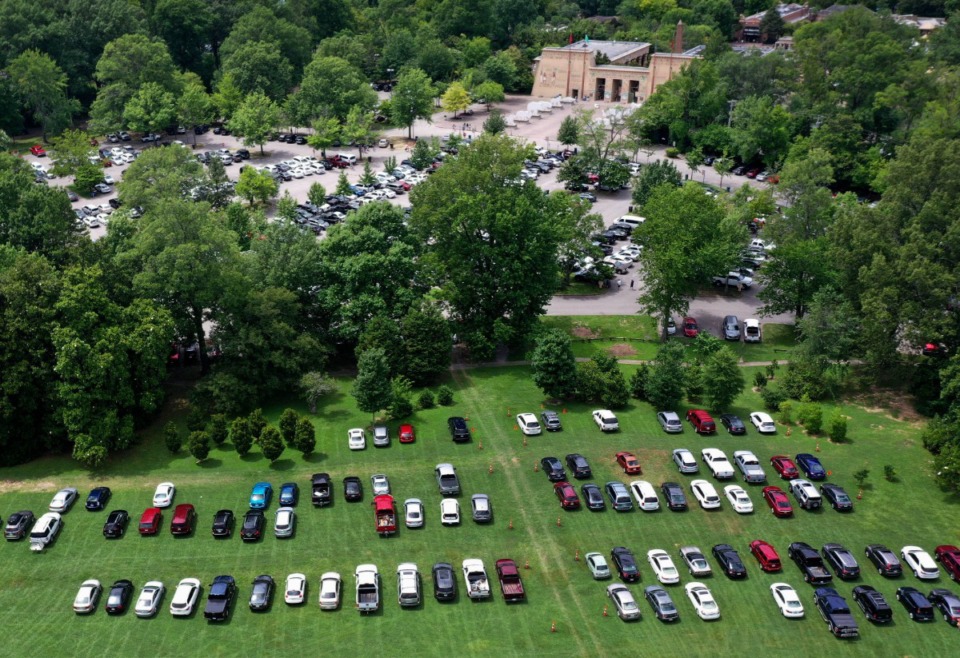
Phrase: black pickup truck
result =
(220, 600)
(835, 611)
(810, 563)
(322, 493)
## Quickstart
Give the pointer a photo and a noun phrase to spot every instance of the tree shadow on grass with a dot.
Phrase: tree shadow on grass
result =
(282, 465)
(252, 457)
(315, 457)
(211, 463)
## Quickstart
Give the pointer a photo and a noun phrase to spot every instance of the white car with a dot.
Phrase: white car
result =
(646, 495)
(163, 496)
(738, 499)
(295, 591)
(408, 585)
(63, 499)
(413, 512)
(705, 494)
(663, 566)
(920, 563)
(528, 424)
(356, 439)
(87, 597)
(449, 511)
(149, 600)
(623, 601)
(380, 484)
(108, 179)
(763, 422)
(787, 600)
(185, 597)
(718, 463)
(684, 460)
(703, 601)
(605, 420)
(598, 566)
(330, 585)
(284, 522)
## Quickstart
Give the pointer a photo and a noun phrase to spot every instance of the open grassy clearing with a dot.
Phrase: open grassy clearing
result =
(36, 594)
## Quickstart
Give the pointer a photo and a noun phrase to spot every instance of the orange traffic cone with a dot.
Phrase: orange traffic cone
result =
(553, 627)
(818, 445)
(511, 524)
(860, 494)
(559, 522)
(524, 441)
(480, 444)
(526, 564)
(605, 614)
(576, 556)
(564, 410)
(490, 470)
(536, 467)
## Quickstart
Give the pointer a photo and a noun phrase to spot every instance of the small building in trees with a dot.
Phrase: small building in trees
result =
(792, 13)
(612, 71)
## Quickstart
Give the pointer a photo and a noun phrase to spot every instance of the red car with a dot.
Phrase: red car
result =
(406, 434)
(567, 495)
(337, 162)
(38, 150)
(702, 421)
(690, 327)
(150, 521)
(184, 518)
(629, 463)
(785, 467)
(766, 555)
(778, 501)
(753, 173)
(949, 557)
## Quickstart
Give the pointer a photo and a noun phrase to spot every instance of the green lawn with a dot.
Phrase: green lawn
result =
(636, 337)
(37, 590)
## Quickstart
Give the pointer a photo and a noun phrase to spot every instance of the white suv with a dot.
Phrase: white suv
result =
(528, 424)
(605, 420)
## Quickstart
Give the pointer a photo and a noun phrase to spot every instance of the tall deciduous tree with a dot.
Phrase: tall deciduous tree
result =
(194, 107)
(427, 341)
(665, 381)
(158, 175)
(259, 66)
(569, 133)
(495, 123)
(412, 99)
(455, 99)
(256, 186)
(794, 274)
(554, 366)
(652, 176)
(372, 389)
(42, 87)
(151, 109)
(255, 119)
(761, 130)
(331, 86)
(723, 379)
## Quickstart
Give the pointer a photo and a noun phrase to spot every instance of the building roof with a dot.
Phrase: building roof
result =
(838, 9)
(790, 13)
(614, 50)
(923, 23)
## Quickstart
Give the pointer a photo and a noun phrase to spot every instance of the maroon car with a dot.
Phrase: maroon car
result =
(567, 495)
(949, 557)
(766, 555)
(150, 521)
(785, 467)
(778, 501)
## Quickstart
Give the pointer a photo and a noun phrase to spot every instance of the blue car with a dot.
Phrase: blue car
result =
(97, 500)
(260, 497)
(811, 466)
(289, 494)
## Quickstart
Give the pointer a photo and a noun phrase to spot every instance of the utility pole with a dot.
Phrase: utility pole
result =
(732, 103)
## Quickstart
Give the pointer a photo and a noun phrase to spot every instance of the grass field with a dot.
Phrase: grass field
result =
(636, 337)
(37, 590)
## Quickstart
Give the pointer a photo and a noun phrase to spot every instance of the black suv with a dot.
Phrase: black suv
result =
(842, 561)
(116, 524)
(97, 499)
(551, 421)
(885, 560)
(352, 489)
(874, 605)
(626, 564)
(579, 465)
(918, 606)
(553, 469)
(223, 523)
(459, 431)
(18, 525)
(252, 528)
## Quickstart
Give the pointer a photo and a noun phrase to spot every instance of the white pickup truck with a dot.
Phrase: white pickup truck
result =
(475, 577)
(734, 280)
(368, 588)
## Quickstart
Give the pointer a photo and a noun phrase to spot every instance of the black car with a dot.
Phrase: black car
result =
(673, 494)
(844, 564)
(730, 561)
(551, 421)
(553, 469)
(837, 497)
(885, 560)
(252, 528)
(262, 593)
(459, 431)
(947, 603)
(116, 524)
(223, 523)
(873, 603)
(98, 498)
(119, 597)
(579, 465)
(321, 489)
(733, 424)
(917, 605)
(289, 494)
(626, 564)
(592, 497)
(739, 170)
(663, 606)
(352, 489)
(18, 525)
(444, 582)
(243, 153)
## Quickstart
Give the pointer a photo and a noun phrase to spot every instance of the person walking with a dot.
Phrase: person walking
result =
(631, 284)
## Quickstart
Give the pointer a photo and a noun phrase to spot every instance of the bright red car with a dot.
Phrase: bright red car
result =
(785, 467)
(949, 557)
(690, 327)
(629, 463)
(184, 518)
(702, 422)
(766, 555)
(150, 521)
(567, 495)
(38, 150)
(753, 173)
(406, 434)
(778, 501)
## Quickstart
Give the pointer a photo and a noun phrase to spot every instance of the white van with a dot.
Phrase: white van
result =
(751, 331)
(349, 158)
(633, 220)
(646, 497)
(44, 531)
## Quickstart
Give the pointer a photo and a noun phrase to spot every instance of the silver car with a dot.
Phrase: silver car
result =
(285, 522)
(685, 461)
(381, 436)
(669, 421)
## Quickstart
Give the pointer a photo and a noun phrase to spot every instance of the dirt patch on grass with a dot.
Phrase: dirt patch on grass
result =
(621, 349)
(581, 331)
(892, 403)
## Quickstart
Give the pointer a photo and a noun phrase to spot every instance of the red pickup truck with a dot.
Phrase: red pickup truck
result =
(386, 514)
(510, 583)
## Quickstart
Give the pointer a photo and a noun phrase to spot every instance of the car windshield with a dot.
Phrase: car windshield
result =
(783, 504)
(256, 496)
(699, 562)
(843, 498)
